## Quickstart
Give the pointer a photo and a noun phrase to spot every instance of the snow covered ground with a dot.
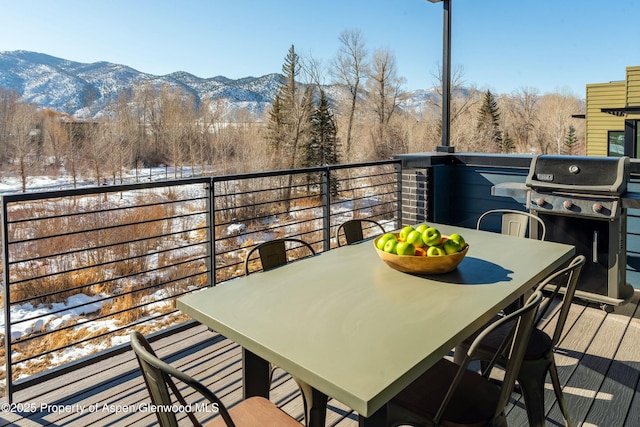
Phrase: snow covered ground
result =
(12, 184)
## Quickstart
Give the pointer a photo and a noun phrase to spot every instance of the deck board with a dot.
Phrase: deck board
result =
(517, 414)
(588, 376)
(598, 361)
(621, 379)
(570, 355)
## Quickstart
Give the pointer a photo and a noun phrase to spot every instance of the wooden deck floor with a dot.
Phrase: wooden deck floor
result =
(598, 360)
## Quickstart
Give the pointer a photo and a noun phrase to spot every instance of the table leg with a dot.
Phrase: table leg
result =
(255, 378)
(315, 405)
(377, 419)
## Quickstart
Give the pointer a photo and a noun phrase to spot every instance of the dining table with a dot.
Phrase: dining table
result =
(347, 326)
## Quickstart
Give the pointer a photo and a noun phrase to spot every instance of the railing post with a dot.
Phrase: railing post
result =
(211, 234)
(7, 301)
(326, 209)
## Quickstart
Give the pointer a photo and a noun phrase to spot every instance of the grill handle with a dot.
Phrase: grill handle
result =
(594, 250)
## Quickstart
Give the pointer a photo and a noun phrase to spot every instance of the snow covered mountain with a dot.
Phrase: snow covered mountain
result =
(83, 90)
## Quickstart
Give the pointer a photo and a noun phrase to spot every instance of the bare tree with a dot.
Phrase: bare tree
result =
(129, 130)
(8, 105)
(525, 103)
(554, 113)
(385, 94)
(313, 71)
(151, 104)
(250, 153)
(191, 132)
(464, 99)
(215, 116)
(55, 133)
(171, 131)
(99, 137)
(23, 138)
(350, 69)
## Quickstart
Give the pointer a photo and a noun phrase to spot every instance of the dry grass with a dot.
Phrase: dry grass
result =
(125, 305)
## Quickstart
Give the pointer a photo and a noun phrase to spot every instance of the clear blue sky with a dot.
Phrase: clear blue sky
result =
(501, 45)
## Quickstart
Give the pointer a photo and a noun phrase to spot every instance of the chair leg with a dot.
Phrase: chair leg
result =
(311, 400)
(557, 389)
(532, 379)
(272, 369)
(315, 404)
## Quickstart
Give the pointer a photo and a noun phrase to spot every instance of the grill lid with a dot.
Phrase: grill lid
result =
(576, 174)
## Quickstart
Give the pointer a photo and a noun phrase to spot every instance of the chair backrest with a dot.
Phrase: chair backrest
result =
(513, 348)
(273, 253)
(567, 279)
(157, 376)
(353, 230)
(516, 223)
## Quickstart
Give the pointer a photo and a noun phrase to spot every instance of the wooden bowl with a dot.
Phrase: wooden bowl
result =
(422, 264)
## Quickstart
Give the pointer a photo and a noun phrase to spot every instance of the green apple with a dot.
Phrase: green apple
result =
(390, 246)
(384, 239)
(459, 239)
(415, 238)
(435, 251)
(405, 248)
(422, 227)
(451, 246)
(405, 232)
(431, 236)
(455, 243)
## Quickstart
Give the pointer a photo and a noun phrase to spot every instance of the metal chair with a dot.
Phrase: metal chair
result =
(515, 223)
(538, 356)
(353, 230)
(452, 394)
(252, 412)
(273, 253)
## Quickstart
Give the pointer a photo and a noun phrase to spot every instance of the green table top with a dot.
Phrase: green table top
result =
(359, 331)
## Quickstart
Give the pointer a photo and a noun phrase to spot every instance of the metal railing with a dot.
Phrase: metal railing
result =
(82, 267)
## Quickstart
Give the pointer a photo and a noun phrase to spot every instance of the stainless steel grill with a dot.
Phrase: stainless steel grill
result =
(578, 186)
(582, 202)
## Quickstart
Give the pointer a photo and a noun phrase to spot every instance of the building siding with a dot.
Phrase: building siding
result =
(603, 95)
(617, 94)
(633, 86)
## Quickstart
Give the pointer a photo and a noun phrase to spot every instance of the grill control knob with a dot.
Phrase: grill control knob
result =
(597, 207)
(539, 201)
(567, 204)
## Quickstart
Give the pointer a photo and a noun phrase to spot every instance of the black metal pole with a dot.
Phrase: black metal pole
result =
(446, 79)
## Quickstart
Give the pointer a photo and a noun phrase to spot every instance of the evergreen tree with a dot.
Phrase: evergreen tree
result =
(570, 140)
(508, 144)
(324, 142)
(488, 128)
(322, 146)
(276, 125)
(288, 125)
(286, 117)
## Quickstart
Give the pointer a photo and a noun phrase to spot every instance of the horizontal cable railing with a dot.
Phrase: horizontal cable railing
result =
(82, 267)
